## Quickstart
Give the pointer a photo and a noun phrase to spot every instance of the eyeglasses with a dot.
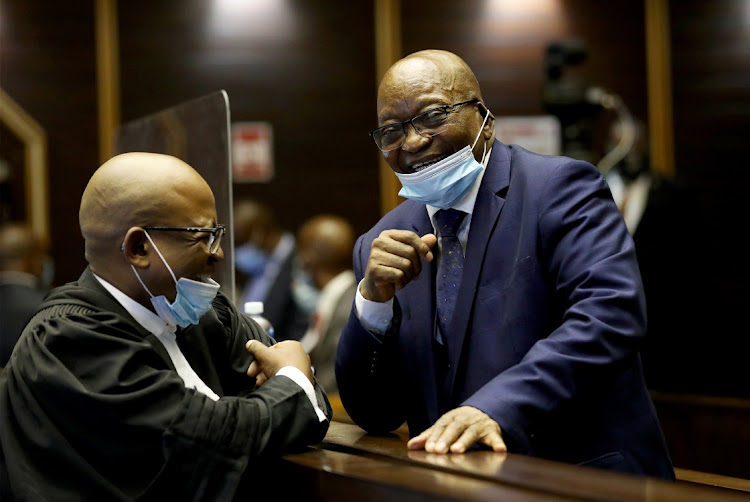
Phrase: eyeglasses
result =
(429, 123)
(214, 240)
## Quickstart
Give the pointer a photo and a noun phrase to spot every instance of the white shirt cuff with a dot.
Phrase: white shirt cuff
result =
(300, 379)
(376, 317)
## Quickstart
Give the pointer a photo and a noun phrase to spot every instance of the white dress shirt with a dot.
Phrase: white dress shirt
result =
(165, 333)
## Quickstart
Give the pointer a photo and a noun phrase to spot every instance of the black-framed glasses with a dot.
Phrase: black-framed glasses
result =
(429, 123)
(214, 240)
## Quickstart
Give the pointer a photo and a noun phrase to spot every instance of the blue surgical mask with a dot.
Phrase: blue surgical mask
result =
(305, 293)
(250, 259)
(444, 183)
(193, 298)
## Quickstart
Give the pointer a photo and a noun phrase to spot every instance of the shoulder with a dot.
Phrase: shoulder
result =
(226, 312)
(235, 323)
(537, 165)
(548, 178)
(88, 310)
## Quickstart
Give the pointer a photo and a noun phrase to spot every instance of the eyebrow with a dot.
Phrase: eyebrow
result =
(429, 102)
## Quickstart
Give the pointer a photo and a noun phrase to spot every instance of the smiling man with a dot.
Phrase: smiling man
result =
(141, 379)
(501, 305)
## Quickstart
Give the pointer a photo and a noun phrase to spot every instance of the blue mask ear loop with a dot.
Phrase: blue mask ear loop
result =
(138, 276)
(478, 135)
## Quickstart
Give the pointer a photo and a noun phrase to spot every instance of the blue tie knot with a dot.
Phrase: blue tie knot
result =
(448, 221)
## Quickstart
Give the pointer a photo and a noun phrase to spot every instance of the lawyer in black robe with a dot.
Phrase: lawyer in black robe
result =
(91, 407)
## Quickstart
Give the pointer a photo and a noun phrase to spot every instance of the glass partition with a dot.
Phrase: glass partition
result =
(197, 132)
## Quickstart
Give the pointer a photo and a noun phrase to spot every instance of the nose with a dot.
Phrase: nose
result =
(413, 140)
(218, 255)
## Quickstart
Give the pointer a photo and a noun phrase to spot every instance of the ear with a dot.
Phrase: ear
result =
(135, 247)
(489, 126)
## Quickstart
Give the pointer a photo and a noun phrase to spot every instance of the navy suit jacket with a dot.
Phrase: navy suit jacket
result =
(546, 331)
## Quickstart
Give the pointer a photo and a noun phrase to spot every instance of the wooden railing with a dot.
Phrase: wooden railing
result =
(353, 465)
(707, 434)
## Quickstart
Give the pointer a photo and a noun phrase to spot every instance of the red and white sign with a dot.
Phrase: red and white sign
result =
(252, 152)
(539, 134)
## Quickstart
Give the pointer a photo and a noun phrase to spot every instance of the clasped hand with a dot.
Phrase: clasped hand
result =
(457, 430)
(395, 260)
(269, 360)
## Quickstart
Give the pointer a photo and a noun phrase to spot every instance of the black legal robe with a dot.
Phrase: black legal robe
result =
(91, 407)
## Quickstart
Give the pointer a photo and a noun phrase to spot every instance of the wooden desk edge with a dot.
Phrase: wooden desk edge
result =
(708, 479)
(685, 477)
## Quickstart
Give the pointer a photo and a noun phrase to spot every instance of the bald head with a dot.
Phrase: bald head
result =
(136, 189)
(325, 246)
(410, 76)
(424, 81)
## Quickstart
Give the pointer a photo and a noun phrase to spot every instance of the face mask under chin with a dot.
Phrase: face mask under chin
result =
(192, 301)
(444, 183)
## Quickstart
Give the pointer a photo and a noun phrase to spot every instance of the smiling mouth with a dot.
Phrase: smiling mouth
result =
(421, 166)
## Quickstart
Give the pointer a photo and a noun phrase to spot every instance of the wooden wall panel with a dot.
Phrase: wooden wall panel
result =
(306, 67)
(505, 44)
(711, 76)
(313, 77)
(12, 180)
(47, 66)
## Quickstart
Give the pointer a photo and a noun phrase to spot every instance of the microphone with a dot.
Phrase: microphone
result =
(611, 101)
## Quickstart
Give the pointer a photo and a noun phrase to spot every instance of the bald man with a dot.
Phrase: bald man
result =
(141, 379)
(326, 242)
(501, 305)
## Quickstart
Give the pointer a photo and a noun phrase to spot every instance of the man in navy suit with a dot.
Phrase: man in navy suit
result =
(536, 350)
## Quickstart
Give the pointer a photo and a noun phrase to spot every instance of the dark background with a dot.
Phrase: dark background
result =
(309, 68)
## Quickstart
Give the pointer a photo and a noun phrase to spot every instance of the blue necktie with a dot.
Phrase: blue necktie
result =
(451, 266)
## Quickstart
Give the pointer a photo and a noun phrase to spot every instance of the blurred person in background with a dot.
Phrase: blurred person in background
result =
(24, 270)
(661, 213)
(325, 245)
(265, 267)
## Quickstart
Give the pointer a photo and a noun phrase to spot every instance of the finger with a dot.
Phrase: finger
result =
(381, 282)
(260, 379)
(254, 347)
(467, 438)
(397, 273)
(447, 437)
(495, 441)
(406, 244)
(418, 442)
(486, 432)
(398, 255)
(421, 245)
(253, 369)
(429, 240)
(435, 443)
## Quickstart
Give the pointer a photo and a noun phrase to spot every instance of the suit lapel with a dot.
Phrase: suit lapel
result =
(486, 212)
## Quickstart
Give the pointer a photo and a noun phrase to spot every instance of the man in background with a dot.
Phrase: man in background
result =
(22, 262)
(325, 245)
(662, 214)
(266, 270)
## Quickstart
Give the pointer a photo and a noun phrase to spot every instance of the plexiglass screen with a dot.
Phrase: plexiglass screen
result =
(197, 132)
